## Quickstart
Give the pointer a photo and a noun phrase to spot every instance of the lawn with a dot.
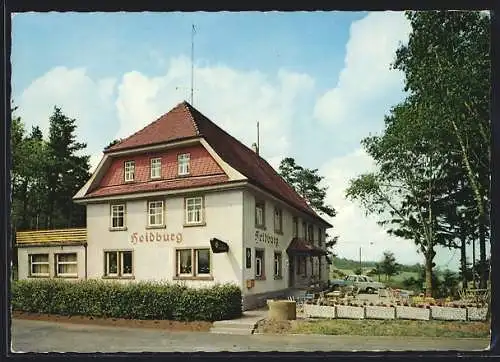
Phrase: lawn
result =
(408, 328)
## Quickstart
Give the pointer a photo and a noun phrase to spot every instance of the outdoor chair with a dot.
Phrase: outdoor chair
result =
(382, 292)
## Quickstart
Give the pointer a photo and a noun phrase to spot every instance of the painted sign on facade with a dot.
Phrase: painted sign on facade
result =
(151, 237)
(263, 237)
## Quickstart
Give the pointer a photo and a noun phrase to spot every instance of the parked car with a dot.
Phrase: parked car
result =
(362, 282)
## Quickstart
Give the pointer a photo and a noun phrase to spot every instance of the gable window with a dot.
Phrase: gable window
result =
(259, 264)
(194, 210)
(118, 216)
(260, 215)
(66, 265)
(155, 213)
(118, 264)
(129, 170)
(39, 265)
(310, 234)
(295, 227)
(155, 168)
(277, 265)
(278, 220)
(183, 164)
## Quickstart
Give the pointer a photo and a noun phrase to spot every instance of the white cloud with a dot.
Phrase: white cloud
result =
(234, 99)
(354, 228)
(79, 96)
(366, 78)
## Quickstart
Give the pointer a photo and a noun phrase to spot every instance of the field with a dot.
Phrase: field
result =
(396, 281)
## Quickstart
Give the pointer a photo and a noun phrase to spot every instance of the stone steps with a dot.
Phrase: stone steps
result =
(227, 330)
(241, 326)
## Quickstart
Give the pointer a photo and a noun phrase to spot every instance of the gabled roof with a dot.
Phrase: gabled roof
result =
(184, 121)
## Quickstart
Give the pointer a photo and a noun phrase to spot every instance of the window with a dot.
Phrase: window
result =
(202, 261)
(320, 237)
(277, 265)
(183, 164)
(155, 213)
(310, 234)
(193, 262)
(117, 216)
(155, 167)
(278, 220)
(184, 262)
(260, 215)
(304, 230)
(194, 210)
(66, 265)
(39, 265)
(259, 264)
(129, 170)
(302, 266)
(295, 227)
(118, 264)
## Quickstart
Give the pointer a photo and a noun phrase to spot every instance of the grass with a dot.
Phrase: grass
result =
(392, 328)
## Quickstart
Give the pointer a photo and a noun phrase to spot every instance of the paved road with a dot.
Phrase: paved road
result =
(38, 336)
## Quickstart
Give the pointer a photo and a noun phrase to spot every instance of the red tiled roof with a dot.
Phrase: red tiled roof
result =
(173, 125)
(302, 246)
(184, 121)
(162, 185)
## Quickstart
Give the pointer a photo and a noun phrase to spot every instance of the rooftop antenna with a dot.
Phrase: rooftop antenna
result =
(193, 32)
(258, 138)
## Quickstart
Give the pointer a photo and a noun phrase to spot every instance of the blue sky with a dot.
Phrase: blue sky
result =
(318, 82)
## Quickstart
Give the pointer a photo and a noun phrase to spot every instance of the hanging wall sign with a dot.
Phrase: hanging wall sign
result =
(218, 246)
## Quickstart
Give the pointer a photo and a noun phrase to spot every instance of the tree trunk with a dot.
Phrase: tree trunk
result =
(463, 262)
(483, 270)
(429, 256)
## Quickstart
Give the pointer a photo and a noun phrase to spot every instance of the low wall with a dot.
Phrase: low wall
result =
(254, 301)
(398, 312)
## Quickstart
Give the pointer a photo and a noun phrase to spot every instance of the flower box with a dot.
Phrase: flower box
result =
(403, 312)
(350, 312)
(378, 312)
(318, 311)
(477, 314)
(449, 313)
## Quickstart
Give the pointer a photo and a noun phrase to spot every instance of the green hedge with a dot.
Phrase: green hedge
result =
(137, 300)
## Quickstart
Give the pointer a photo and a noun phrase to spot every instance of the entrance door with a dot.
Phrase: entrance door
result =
(291, 271)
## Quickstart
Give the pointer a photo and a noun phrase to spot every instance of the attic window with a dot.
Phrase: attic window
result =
(183, 164)
(129, 170)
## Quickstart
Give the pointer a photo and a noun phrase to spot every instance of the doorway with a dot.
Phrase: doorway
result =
(291, 271)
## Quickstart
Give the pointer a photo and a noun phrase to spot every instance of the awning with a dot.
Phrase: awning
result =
(300, 246)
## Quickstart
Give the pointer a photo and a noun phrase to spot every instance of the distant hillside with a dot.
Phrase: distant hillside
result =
(343, 263)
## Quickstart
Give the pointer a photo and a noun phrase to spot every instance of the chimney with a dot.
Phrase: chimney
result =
(255, 148)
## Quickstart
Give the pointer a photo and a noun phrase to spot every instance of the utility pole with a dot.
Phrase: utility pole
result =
(360, 260)
(193, 32)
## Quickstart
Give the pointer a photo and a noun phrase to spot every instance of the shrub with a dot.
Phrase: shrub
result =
(137, 300)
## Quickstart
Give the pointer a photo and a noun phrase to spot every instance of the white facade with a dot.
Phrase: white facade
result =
(25, 270)
(156, 260)
(228, 215)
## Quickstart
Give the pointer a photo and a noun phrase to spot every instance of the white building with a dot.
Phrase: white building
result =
(162, 198)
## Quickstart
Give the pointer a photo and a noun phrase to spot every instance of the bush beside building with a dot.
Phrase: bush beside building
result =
(138, 300)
